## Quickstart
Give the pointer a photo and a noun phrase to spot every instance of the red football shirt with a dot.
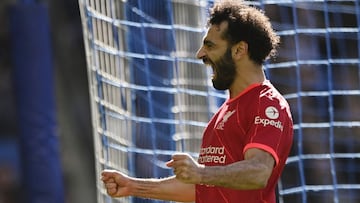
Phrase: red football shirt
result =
(258, 118)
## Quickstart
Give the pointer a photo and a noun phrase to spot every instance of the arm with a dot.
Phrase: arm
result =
(121, 185)
(251, 173)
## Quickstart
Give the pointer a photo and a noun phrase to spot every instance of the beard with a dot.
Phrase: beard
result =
(224, 71)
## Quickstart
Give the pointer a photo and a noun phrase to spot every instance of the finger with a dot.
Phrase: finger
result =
(109, 180)
(111, 191)
(177, 171)
(108, 172)
(178, 159)
(104, 178)
(107, 177)
(179, 156)
(182, 176)
(170, 163)
(105, 174)
(174, 164)
(111, 174)
(110, 185)
(175, 161)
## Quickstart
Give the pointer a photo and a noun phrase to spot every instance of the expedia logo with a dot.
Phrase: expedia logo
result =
(271, 113)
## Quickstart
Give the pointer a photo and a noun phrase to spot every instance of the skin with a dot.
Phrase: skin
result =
(169, 189)
(251, 173)
(247, 72)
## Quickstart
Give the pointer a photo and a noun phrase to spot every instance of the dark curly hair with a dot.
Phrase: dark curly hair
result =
(246, 23)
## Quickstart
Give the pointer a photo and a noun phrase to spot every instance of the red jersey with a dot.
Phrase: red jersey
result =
(257, 118)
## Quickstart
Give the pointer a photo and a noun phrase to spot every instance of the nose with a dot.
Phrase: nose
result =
(200, 53)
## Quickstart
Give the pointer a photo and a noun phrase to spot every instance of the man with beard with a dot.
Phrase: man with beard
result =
(246, 143)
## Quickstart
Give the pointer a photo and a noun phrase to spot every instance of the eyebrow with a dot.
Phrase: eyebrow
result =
(208, 42)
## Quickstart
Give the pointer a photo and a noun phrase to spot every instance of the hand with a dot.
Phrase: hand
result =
(186, 168)
(116, 183)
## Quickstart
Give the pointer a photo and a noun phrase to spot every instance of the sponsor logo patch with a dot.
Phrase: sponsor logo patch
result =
(212, 154)
(226, 117)
(272, 114)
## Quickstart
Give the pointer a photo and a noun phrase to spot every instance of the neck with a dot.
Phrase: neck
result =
(246, 76)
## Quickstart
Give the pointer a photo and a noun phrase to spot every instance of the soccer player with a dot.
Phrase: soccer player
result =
(247, 142)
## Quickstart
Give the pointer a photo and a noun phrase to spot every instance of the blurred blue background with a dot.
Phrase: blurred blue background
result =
(71, 101)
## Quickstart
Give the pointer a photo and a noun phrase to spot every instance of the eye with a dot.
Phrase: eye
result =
(208, 44)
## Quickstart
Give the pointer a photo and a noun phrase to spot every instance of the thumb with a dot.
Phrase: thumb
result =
(170, 163)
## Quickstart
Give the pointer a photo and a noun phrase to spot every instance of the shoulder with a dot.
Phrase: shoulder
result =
(268, 94)
(272, 104)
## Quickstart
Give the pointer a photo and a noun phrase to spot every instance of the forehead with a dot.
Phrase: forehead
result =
(215, 33)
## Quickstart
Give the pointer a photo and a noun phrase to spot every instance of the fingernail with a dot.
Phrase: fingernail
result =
(169, 163)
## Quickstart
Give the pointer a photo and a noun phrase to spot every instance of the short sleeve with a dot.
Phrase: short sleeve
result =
(268, 127)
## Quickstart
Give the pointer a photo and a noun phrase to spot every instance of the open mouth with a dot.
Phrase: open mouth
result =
(213, 74)
(210, 64)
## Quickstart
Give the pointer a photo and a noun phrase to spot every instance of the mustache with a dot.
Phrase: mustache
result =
(206, 60)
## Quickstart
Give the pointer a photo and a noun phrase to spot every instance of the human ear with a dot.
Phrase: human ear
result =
(240, 49)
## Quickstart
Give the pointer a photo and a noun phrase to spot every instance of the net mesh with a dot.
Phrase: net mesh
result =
(151, 97)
